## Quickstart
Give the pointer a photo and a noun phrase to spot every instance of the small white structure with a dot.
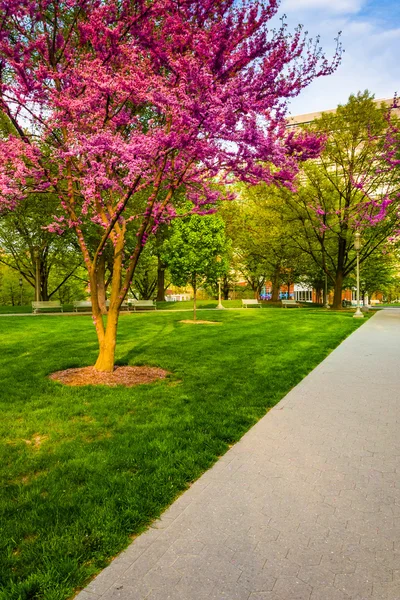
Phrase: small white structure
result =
(177, 297)
(302, 293)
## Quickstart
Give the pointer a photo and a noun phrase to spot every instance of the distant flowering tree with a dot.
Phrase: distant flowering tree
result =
(119, 105)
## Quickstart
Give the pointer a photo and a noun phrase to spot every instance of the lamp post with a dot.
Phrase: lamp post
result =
(20, 291)
(357, 246)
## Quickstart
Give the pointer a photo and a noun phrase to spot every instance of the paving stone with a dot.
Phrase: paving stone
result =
(354, 584)
(187, 546)
(257, 580)
(121, 591)
(305, 557)
(230, 592)
(264, 596)
(85, 595)
(305, 507)
(293, 588)
(107, 577)
(338, 563)
(330, 593)
(317, 576)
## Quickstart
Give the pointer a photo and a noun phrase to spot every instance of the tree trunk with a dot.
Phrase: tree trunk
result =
(288, 288)
(105, 360)
(225, 287)
(337, 297)
(275, 285)
(43, 277)
(160, 281)
(101, 284)
(44, 292)
(319, 298)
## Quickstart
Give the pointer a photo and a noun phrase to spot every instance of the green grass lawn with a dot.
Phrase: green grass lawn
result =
(84, 469)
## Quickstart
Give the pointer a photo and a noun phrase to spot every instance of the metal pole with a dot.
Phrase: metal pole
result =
(358, 314)
(219, 295)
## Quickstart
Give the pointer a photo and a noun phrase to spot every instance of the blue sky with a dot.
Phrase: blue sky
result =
(371, 39)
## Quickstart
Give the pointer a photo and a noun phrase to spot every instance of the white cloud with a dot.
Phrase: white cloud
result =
(370, 60)
(333, 6)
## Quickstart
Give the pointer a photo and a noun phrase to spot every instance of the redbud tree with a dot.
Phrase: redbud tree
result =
(122, 106)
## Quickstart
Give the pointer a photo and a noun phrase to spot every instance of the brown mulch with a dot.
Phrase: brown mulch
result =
(198, 322)
(127, 376)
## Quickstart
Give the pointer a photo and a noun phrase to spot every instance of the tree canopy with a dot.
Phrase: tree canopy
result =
(118, 105)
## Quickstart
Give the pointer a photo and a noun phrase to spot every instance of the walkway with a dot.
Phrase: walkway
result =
(305, 507)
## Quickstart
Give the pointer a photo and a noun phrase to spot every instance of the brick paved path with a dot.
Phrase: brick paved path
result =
(305, 507)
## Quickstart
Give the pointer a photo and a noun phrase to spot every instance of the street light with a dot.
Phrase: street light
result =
(20, 290)
(357, 246)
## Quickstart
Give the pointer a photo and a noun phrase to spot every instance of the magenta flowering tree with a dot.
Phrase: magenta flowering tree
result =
(121, 106)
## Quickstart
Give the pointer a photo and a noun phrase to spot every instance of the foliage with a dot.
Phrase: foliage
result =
(103, 463)
(118, 105)
(13, 289)
(261, 229)
(346, 189)
(25, 242)
(194, 251)
(378, 274)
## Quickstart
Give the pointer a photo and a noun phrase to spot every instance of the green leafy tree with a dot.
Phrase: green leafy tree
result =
(14, 290)
(261, 229)
(195, 252)
(345, 190)
(27, 247)
(377, 275)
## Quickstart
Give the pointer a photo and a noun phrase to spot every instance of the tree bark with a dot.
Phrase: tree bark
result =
(107, 336)
(101, 284)
(225, 288)
(106, 359)
(44, 291)
(337, 297)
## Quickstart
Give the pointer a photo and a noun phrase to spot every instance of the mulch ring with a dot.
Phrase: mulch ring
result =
(126, 376)
(198, 322)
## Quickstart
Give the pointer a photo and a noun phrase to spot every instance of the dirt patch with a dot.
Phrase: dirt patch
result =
(36, 441)
(191, 322)
(126, 376)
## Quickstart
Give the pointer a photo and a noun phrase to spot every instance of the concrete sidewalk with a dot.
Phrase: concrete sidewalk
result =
(305, 506)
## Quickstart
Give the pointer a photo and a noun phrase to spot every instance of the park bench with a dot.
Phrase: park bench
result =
(82, 304)
(142, 304)
(46, 305)
(286, 303)
(252, 302)
(87, 305)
